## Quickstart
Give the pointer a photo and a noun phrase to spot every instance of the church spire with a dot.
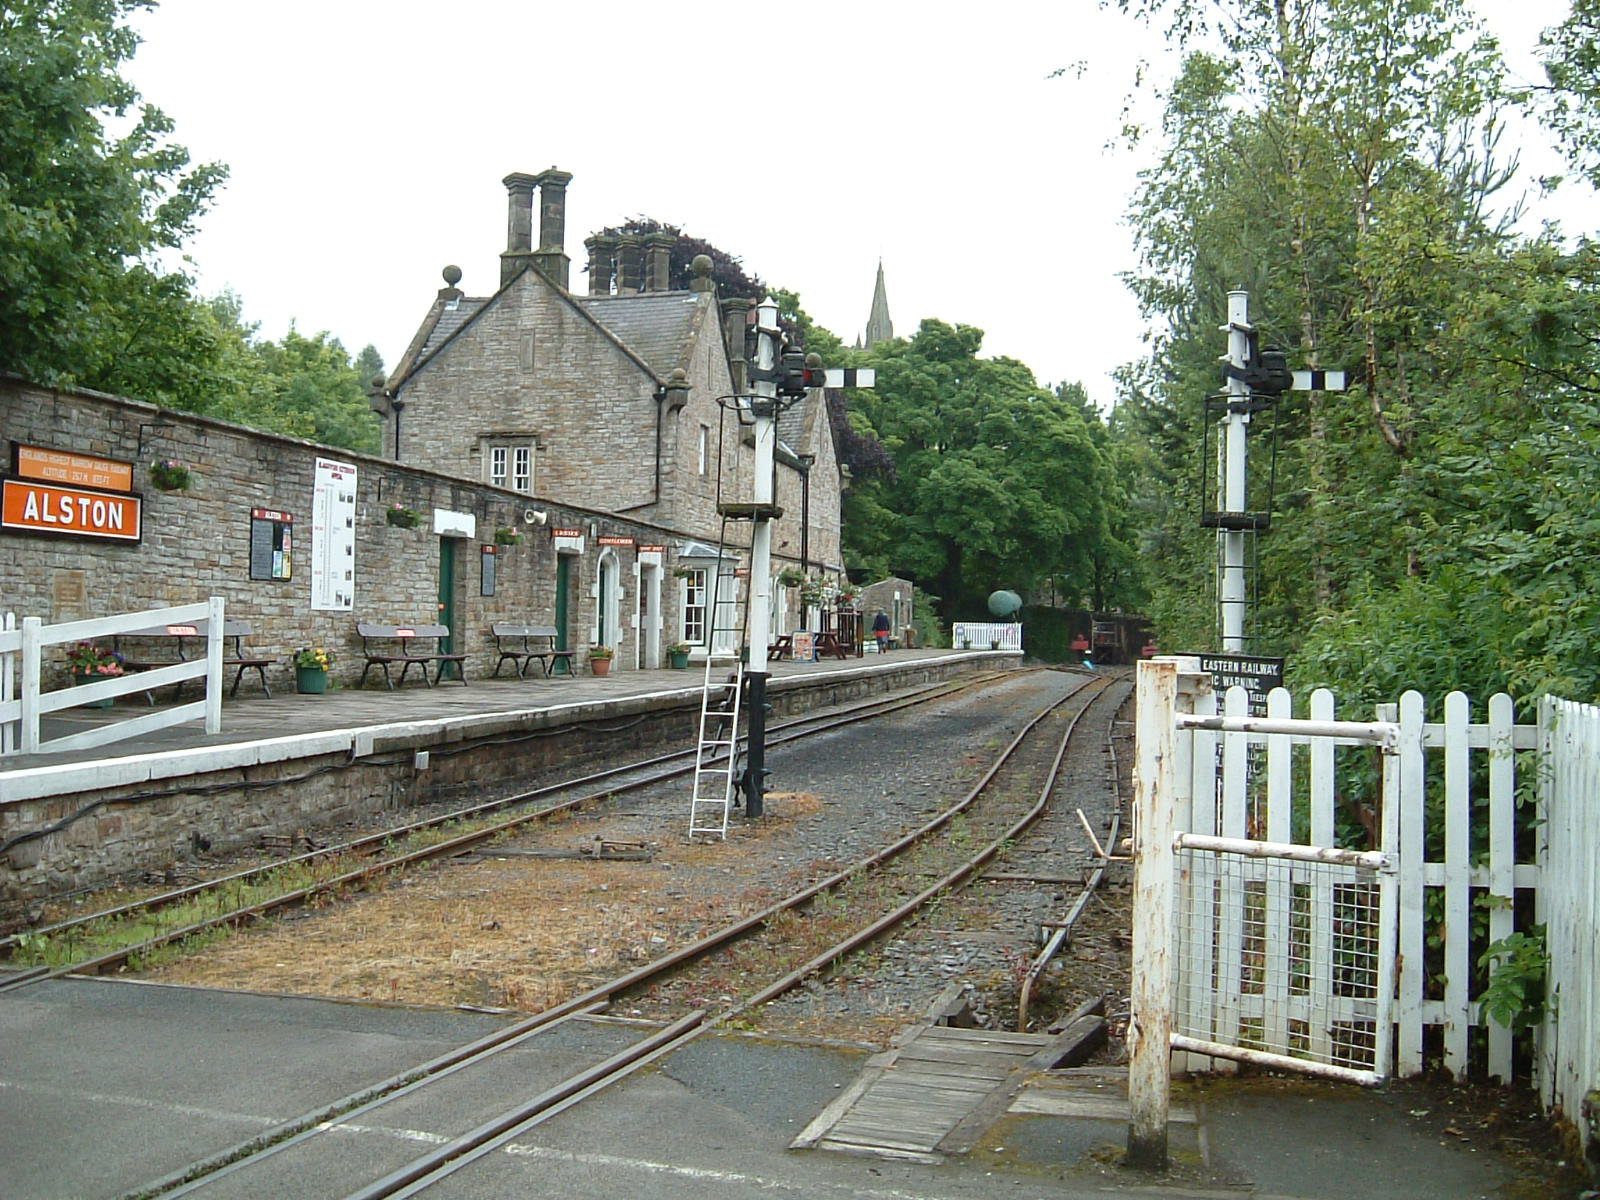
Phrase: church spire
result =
(879, 327)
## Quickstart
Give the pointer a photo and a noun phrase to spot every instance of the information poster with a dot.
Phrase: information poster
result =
(333, 537)
(804, 645)
(271, 544)
(486, 571)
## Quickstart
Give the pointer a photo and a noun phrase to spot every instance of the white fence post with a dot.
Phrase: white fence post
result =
(214, 644)
(1150, 1024)
(32, 634)
(8, 682)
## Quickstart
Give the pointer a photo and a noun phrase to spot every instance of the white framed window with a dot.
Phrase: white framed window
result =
(510, 463)
(695, 601)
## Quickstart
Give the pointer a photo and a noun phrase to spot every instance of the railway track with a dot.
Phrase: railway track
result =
(250, 894)
(994, 813)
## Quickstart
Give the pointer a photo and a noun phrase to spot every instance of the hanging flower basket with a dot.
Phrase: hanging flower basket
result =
(683, 572)
(405, 518)
(790, 577)
(169, 475)
(506, 537)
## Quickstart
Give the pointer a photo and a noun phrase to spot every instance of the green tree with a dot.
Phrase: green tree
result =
(997, 481)
(86, 217)
(1336, 159)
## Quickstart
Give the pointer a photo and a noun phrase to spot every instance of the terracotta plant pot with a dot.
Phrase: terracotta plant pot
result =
(600, 666)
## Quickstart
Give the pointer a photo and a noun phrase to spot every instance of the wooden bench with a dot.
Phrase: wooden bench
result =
(782, 647)
(524, 645)
(377, 649)
(152, 637)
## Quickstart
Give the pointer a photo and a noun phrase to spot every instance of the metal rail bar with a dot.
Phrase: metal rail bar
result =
(1063, 932)
(1385, 734)
(1367, 860)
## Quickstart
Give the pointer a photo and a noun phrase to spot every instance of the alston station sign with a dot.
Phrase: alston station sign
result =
(33, 507)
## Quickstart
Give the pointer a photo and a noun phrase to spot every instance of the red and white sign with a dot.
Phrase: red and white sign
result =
(557, 532)
(45, 508)
(611, 539)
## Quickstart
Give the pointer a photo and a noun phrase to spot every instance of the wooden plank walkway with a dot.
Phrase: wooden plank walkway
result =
(933, 1095)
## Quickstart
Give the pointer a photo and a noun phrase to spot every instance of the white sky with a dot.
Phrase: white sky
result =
(367, 141)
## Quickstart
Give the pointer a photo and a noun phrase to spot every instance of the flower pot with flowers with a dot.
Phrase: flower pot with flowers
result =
(169, 475)
(600, 659)
(791, 577)
(88, 663)
(678, 656)
(847, 594)
(311, 666)
(400, 515)
(505, 536)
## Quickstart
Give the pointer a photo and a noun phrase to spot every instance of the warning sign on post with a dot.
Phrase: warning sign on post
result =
(1257, 675)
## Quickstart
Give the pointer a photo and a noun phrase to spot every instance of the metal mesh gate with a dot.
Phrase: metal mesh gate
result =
(1280, 955)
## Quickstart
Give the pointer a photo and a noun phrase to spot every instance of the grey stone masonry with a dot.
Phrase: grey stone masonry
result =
(196, 542)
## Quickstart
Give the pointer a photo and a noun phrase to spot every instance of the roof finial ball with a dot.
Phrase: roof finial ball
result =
(701, 265)
(452, 275)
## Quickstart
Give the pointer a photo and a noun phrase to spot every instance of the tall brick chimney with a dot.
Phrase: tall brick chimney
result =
(519, 225)
(628, 264)
(602, 263)
(551, 260)
(658, 261)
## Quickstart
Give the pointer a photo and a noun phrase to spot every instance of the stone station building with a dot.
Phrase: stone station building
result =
(561, 457)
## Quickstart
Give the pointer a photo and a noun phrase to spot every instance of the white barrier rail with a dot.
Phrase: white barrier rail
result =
(986, 635)
(26, 646)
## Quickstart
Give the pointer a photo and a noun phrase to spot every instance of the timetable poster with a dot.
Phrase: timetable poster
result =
(333, 537)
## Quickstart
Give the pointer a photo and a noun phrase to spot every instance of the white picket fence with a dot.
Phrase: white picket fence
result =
(1455, 838)
(1567, 1065)
(985, 635)
(23, 704)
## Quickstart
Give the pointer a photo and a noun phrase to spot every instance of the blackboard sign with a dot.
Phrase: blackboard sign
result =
(486, 570)
(1256, 674)
(271, 544)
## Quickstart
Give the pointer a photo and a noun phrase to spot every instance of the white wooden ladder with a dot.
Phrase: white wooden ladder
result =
(717, 751)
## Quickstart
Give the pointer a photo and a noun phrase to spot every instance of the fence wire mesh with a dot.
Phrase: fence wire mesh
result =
(1278, 955)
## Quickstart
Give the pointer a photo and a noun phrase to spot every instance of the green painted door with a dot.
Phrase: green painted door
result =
(447, 604)
(563, 587)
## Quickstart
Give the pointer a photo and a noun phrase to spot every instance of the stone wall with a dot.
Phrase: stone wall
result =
(196, 542)
(112, 831)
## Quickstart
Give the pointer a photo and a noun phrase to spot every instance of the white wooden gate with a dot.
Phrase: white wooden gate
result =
(1256, 938)
(1471, 873)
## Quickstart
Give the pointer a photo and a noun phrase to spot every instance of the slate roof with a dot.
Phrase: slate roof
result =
(452, 319)
(654, 325)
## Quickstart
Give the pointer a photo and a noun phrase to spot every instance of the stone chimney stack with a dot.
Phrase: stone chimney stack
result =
(602, 263)
(735, 320)
(519, 226)
(628, 264)
(658, 261)
(551, 260)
